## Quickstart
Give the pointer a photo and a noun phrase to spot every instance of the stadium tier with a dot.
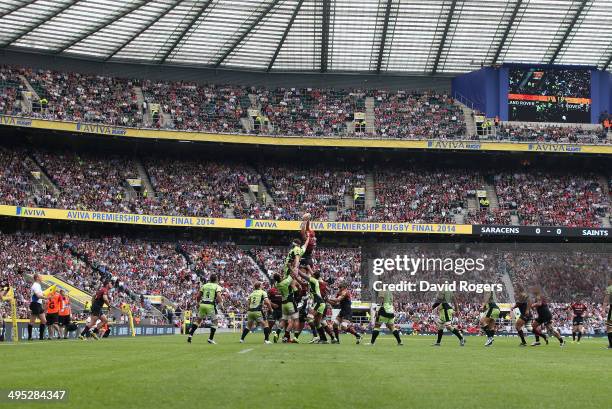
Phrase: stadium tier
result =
(276, 191)
(256, 110)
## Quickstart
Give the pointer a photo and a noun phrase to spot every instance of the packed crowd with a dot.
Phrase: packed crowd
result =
(549, 133)
(188, 187)
(10, 90)
(552, 200)
(405, 115)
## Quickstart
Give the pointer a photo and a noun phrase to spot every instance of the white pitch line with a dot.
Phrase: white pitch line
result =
(244, 351)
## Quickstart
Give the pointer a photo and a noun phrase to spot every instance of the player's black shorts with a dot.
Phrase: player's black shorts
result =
(303, 312)
(306, 260)
(64, 320)
(525, 318)
(275, 315)
(52, 318)
(36, 308)
(544, 319)
(578, 321)
(346, 314)
(385, 314)
(96, 310)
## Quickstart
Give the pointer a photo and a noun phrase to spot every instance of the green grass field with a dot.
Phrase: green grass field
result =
(166, 372)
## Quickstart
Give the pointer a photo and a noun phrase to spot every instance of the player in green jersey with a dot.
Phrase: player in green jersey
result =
(385, 315)
(444, 307)
(607, 305)
(316, 312)
(209, 297)
(490, 314)
(289, 320)
(257, 300)
(292, 260)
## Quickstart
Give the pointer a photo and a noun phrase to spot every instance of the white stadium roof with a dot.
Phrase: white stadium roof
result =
(408, 36)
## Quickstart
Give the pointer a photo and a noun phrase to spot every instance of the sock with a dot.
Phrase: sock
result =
(41, 328)
(337, 333)
(537, 337)
(457, 333)
(440, 333)
(278, 331)
(29, 331)
(297, 335)
(490, 333)
(212, 332)
(374, 336)
(329, 332)
(266, 333)
(85, 331)
(321, 332)
(397, 336)
(579, 336)
(485, 330)
(193, 329)
(245, 332)
(287, 335)
(544, 336)
(314, 330)
(573, 336)
(522, 335)
(610, 339)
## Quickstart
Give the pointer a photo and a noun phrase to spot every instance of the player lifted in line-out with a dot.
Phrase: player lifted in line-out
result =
(257, 300)
(385, 315)
(209, 298)
(608, 304)
(579, 312)
(310, 240)
(444, 307)
(36, 308)
(522, 303)
(316, 313)
(544, 318)
(491, 312)
(344, 317)
(98, 319)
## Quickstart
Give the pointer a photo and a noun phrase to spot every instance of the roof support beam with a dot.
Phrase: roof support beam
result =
(606, 65)
(449, 18)
(142, 30)
(246, 33)
(14, 9)
(502, 42)
(383, 38)
(325, 35)
(284, 37)
(184, 31)
(40, 23)
(105, 24)
(568, 31)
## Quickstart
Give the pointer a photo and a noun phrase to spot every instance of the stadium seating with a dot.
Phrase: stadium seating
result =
(99, 182)
(400, 114)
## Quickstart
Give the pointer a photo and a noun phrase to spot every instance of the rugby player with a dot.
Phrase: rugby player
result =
(317, 312)
(343, 319)
(275, 315)
(443, 305)
(209, 298)
(257, 300)
(36, 308)
(490, 314)
(608, 304)
(579, 312)
(327, 322)
(290, 317)
(292, 260)
(544, 318)
(98, 318)
(309, 237)
(4, 289)
(522, 304)
(302, 302)
(385, 315)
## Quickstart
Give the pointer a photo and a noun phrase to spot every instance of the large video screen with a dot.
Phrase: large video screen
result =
(549, 95)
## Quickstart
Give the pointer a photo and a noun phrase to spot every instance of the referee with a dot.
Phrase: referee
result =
(36, 308)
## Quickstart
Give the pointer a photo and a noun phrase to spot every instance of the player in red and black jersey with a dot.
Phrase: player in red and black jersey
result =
(97, 303)
(327, 319)
(309, 237)
(343, 319)
(275, 316)
(579, 311)
(522, 303)
(544, 319)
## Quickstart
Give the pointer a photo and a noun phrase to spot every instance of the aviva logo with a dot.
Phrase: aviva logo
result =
(20, 211)
(262, 224)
